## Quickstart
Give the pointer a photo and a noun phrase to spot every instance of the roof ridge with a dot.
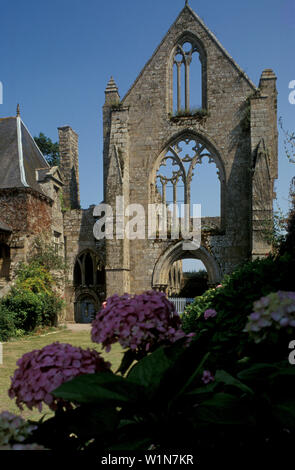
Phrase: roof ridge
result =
(20, 152)
(47, 164)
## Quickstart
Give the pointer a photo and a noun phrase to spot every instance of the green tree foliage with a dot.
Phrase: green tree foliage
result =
(288, 244)
(195, 283)
(289, 142)
(49, 149)
(233, 303)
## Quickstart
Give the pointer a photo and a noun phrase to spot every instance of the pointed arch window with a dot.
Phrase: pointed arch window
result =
(189, 76)
(88, 270)
(176, 169)
(177, 178)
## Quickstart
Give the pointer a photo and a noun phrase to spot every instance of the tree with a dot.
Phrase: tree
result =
(49, 149)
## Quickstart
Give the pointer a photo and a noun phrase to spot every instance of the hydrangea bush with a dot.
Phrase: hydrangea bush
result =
(139, 322)
(13, 428)
(41, 371)
(273, 312)
(173, 396)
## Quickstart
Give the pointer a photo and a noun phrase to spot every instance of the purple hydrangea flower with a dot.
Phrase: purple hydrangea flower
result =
(210, 313)
(42, 371)
(207, 377)
(138, 322)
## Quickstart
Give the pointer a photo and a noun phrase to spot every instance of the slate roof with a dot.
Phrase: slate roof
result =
(19, 156)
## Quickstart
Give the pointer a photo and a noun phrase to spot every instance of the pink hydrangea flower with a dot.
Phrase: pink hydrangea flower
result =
(42, 371)
(138, 322)
(210, 313)
(207, 377)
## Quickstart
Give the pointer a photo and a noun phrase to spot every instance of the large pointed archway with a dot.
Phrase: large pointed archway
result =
(160, 279)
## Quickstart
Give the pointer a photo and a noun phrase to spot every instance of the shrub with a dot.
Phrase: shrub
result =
(26, 308)
(171, 398)
(30, 309)
(194, 310)
(52, 305)
(233, 302)
(7, 324)
(34, 277)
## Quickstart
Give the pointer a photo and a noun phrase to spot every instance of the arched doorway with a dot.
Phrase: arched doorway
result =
(89, 285)
(86, 307)
(162, 270)
(194, 278)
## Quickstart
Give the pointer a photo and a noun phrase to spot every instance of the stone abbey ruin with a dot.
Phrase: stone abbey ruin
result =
(155, 141)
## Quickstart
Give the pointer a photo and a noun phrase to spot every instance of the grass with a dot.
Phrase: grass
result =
(13, 350)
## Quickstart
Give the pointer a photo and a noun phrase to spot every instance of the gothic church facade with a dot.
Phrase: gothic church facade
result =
(155, 141)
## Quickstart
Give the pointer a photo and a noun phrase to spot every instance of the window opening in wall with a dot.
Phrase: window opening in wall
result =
(57, 241)
(187, 79)
(185, 177)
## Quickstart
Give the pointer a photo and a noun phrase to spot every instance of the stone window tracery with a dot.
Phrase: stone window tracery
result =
(188, 75)
(176, 168)
(88, 270)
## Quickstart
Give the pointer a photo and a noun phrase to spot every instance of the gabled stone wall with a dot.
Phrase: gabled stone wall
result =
(141, 127)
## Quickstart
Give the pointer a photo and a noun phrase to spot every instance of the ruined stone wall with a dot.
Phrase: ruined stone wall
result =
(69, 166)
(78, 233)
(150, 129)
(28, 214)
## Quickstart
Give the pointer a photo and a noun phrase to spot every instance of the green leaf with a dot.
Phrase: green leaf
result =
(284, 371)
(285, 414)
(257, 371)
(104, 388)
(223, 377)
(150, 370)
(222, 408)
(206, 389)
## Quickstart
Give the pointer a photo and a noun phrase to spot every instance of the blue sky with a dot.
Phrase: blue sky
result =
(57, 57)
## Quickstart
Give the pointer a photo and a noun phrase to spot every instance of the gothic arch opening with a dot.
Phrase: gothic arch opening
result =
(88, 270)
(86, 306)
(77, 273)
(205, 186)
(187, 75)
(160, 279)
(88, 263)
(183, 174)
(89, 285)
(194, 278)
